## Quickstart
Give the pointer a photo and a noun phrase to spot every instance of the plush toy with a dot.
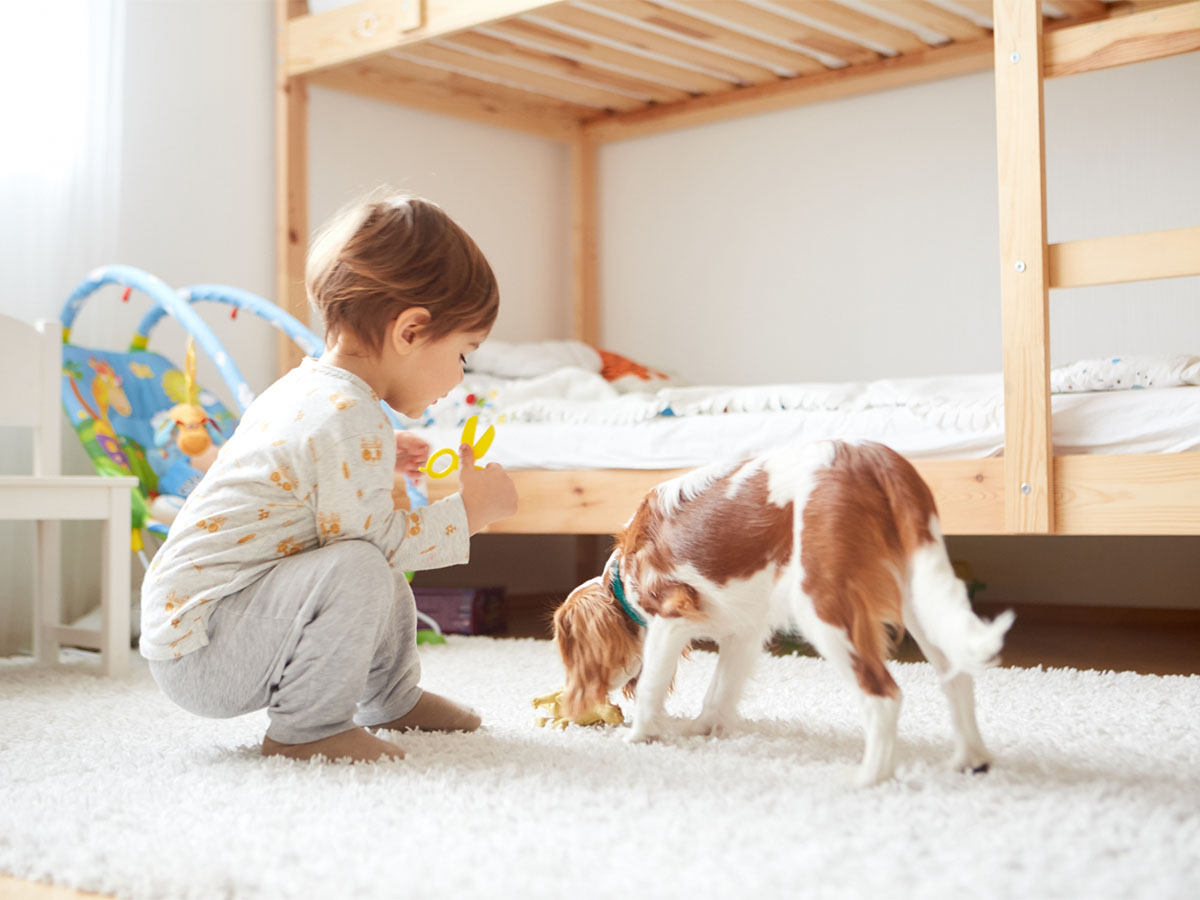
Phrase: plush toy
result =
(603, 714)
(189, 420)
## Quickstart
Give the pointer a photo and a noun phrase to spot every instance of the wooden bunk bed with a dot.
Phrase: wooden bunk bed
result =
(589, 73)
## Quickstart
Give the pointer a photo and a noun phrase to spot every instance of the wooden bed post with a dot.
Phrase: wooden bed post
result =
(585, 319)
(1024, 283)
(584, 226)
(291, 183)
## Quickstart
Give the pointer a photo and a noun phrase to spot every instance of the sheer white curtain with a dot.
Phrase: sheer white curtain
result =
(60, 164)
(60, 79)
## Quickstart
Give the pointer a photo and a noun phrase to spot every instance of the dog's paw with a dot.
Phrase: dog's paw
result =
(705, 726)
(639, 734)
(864, 776)
(969, 759)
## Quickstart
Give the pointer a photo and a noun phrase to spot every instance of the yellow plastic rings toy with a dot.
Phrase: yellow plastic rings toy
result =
(431, 467)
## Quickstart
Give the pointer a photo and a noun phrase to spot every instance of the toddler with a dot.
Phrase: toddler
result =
(281, 584)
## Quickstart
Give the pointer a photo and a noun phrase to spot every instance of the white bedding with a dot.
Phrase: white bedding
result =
(563, 418)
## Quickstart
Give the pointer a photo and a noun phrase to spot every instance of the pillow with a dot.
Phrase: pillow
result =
(628, 376)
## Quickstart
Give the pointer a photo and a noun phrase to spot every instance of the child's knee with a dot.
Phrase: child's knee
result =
(364, 570)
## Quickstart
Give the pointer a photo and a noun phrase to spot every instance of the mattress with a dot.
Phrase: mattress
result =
(1163, 420)
(559, 405)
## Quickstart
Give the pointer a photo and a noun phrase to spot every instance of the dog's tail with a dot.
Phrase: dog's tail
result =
(935, 600)
(938, 599)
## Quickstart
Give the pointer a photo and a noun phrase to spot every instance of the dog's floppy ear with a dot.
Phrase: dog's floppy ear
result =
(595, 645)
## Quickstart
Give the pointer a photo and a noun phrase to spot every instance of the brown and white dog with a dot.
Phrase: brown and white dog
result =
(839, 540)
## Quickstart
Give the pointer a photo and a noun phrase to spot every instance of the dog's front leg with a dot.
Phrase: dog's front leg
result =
(734, 663)
(665, 640)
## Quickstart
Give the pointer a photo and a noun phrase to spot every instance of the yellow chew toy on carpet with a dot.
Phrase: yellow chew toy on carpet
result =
(603, 714)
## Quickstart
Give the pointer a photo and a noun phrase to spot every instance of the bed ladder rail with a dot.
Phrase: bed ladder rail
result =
(1104, 44)
(1132, 257)
(1029, 265)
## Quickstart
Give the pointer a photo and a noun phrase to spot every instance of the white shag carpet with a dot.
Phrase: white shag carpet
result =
(105, 786)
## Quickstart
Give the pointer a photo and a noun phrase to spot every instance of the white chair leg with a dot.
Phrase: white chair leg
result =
(114, 610)
(47, 591)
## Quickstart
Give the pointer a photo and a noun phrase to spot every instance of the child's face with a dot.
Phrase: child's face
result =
(430, 371)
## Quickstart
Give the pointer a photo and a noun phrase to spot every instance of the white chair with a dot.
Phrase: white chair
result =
(32, 358)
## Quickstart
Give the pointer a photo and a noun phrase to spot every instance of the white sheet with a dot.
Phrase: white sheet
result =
(553, 409)
(969, 423)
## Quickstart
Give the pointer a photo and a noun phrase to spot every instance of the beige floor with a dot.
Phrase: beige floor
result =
(1150, 642)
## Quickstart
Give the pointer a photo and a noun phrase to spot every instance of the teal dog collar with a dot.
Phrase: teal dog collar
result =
(618, 591)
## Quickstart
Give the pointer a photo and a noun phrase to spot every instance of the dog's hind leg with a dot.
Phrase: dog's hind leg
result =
(937, 612)
(970, 755)
(880, 695)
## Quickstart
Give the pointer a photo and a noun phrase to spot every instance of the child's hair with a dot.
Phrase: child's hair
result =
(391, 252)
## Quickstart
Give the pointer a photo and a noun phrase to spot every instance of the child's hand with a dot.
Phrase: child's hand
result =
(488, 494)
(411, 454)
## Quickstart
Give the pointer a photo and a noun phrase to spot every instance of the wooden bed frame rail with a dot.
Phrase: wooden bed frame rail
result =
(1142, 494)
(518, 64)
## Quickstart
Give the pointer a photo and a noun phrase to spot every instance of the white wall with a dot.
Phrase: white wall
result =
(199, 168)
(503, 187)
(859, 239)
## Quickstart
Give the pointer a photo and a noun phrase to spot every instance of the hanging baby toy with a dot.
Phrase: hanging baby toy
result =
(189, 420)
(468, 437)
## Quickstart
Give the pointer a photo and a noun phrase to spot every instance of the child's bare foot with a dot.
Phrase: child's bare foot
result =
(357, 744)
(435, 713)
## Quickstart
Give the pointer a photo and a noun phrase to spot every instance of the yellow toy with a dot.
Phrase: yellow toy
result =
(468, 437)
(603, 714)
(190, 418)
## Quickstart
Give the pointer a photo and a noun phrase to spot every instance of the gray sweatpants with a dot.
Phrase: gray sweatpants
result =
(324, 641)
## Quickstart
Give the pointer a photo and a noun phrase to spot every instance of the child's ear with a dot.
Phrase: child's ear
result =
(407, 328)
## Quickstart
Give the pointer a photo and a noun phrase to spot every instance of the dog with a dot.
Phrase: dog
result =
(840, 540)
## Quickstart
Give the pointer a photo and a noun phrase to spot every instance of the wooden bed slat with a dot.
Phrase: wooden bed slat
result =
(1071, 10)
(1081, 9)
(1134, 257)
(854, 22)
(535, 82)
(1024, 286)
(1153, 34)
(557, 65)
(981, 8)
(449, 93)
(884, 74)
(652, 42)
(358, 30)
(574, 46)
(715, 36)
(784, 29)
(935, 18)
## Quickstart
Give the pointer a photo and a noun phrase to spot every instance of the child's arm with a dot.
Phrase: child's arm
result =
(353, 494)
(488, 494)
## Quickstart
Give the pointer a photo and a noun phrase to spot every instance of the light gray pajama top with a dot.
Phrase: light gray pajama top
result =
(310, 464)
